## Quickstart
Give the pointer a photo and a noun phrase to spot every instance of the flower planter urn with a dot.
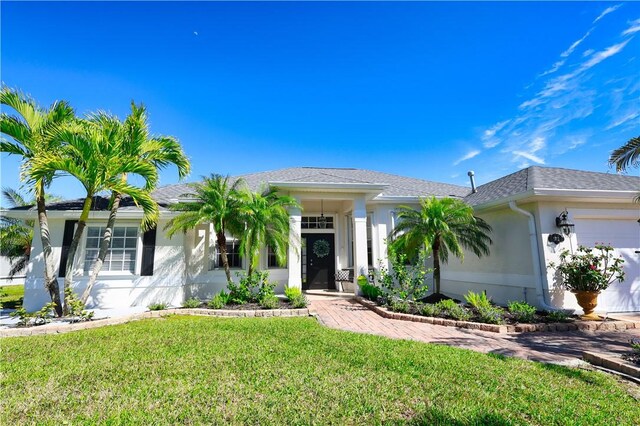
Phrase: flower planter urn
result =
(588, 300)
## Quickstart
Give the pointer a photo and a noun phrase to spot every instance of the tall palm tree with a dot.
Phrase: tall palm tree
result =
(92, 152)
(628, 155)
(441, 225)
(30, 137)
(216, 200)
(137, 142)
(266, 222)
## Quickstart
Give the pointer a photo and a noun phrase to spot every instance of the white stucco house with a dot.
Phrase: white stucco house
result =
(345, 218)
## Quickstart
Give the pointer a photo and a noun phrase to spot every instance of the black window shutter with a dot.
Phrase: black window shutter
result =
(148, 252)
(67, 237)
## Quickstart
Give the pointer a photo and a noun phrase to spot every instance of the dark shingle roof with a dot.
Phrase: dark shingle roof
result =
(99, 203)
(536, 177)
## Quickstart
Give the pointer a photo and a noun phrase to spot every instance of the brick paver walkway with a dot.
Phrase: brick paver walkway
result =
(556, 347)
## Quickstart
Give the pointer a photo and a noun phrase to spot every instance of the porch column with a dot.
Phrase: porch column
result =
(295, 241)
(360, 261)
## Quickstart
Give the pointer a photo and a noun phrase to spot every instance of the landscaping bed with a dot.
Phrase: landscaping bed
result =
(574, 324)
(193, 370)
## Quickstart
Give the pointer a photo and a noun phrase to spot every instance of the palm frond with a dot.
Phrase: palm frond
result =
(627, 155)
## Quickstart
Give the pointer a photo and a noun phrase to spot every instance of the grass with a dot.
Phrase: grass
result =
(11, 296)
(195, 370)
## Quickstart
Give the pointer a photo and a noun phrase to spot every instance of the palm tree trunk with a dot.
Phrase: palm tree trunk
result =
(50, 277)
(222, 246)
(436, 265)
(104, 246)
(73, 248)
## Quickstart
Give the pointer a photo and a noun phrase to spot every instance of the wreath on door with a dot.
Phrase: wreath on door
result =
(321, 248)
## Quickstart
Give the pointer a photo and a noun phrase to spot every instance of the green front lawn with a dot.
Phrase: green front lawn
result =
(194, 370)
(11, 296)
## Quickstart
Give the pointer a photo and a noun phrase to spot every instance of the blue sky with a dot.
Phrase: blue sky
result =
(429, 90)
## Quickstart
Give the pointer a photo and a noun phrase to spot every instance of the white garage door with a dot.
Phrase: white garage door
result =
(624, 236)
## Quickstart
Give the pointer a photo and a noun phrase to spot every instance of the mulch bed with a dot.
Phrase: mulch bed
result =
(248, 306)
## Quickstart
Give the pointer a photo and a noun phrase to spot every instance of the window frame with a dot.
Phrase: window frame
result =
(82, 259)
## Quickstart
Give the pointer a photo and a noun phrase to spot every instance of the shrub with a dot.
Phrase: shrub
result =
(370, 291)
(522, 311)
(298, 302)
(270, 301)
(490, 315)
(158, 306)
(558, 316)
(400, 306)
(292, 292)
(193, 302)
(251, 288)
(76, 307)
(451, 309)
(635, 345)
(477, 300)
(23, 316)
(406, 281)
(220, 300)
(430, 310)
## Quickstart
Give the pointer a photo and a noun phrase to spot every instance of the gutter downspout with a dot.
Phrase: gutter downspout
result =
(533, 237)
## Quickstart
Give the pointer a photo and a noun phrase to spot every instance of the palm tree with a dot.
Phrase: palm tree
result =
(266, 222)
(92, 152)
(15, 234)
(30, 137)
(441, 225)
(627, 155)
(157, 151)
(216, 200)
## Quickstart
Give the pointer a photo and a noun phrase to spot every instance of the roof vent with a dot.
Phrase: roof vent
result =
(473, 181)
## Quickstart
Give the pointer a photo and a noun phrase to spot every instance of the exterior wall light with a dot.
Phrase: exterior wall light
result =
(563, 223)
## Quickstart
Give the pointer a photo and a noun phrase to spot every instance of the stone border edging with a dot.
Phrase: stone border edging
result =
(612, 362)
(502, 329)
(57, 328)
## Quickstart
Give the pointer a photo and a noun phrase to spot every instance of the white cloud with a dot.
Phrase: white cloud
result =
(529, 156)
(606, 12)
(602, 55)
(623, 119)
(587, 52)
(468, 156)
(575, 44)
(634, 28)
(488, 139)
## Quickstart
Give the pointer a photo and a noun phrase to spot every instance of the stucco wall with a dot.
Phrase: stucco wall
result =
(204, 283)
(113, 291)
(507, 273)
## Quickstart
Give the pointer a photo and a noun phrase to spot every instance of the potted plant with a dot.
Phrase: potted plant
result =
(587, 272)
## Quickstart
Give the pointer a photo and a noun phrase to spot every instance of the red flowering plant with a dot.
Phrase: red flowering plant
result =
(589, 269)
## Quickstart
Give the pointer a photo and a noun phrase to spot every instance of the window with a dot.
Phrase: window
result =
(314, 222)
(233, 256)
(272, 262)
(121, 254)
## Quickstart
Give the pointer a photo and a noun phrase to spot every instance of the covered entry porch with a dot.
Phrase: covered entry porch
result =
(331, 241)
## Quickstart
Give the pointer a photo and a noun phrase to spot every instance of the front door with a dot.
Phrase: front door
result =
(320, 262)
